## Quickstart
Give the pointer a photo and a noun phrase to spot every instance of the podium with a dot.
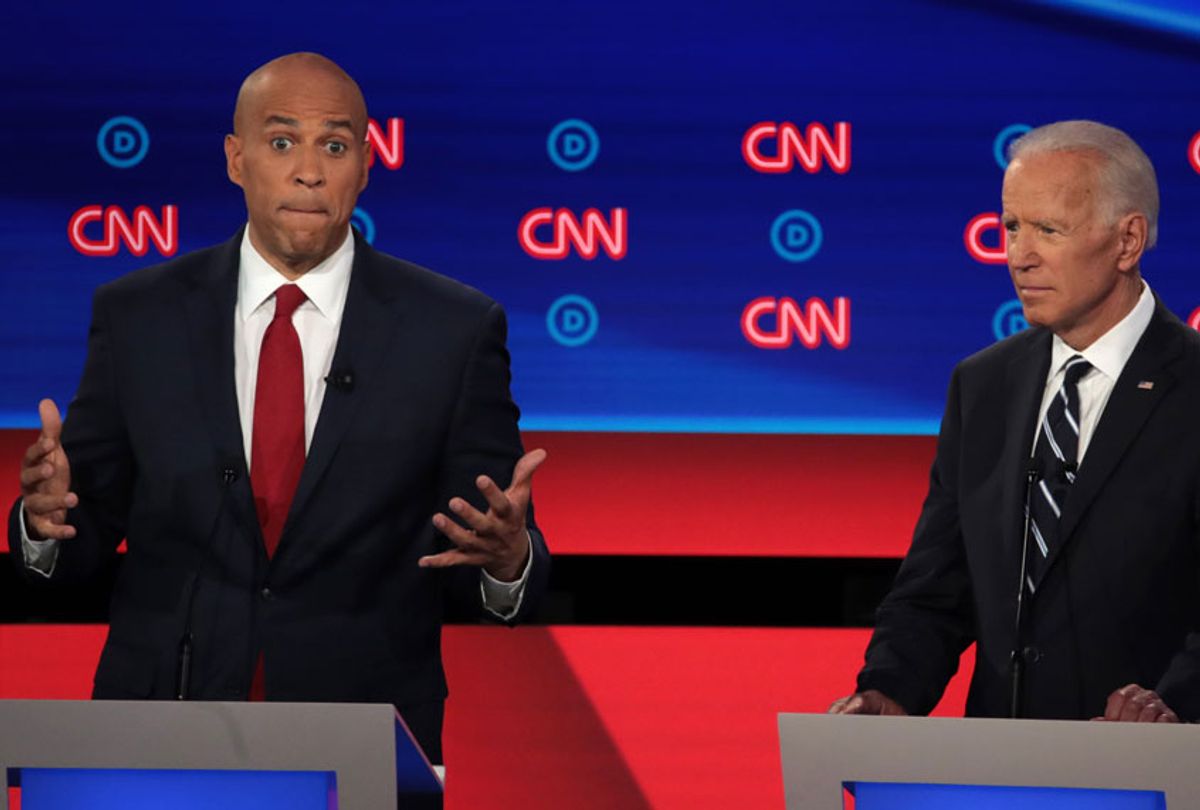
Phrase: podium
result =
(896, 763)
(349, 756)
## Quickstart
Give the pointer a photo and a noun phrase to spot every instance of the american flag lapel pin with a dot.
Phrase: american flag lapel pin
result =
(1146, 385)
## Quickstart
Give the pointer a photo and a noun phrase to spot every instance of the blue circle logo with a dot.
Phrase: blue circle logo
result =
(366, 226)
(796, 235)
(573, 145)
(572, 320)
(1003, 139)
(123, 142)
(1009, 319)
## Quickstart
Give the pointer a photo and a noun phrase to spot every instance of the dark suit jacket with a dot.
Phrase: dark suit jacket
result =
(341, 612)
(1119, 602)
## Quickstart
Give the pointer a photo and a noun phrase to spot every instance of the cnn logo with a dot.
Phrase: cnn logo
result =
(787, 147)
(978, 247)
(137, 232)
(387, 143)
(546, 233)
(777, 323)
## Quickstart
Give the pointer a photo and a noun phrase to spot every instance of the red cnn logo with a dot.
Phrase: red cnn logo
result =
(587, 236)
(1194, 320)
(793, 322)
(389, 146)
(790, 147)
(1194, 152)
(973, 239)
(116, 227)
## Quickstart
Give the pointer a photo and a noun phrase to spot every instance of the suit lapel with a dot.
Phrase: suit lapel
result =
(363, 341)
(1026, 379)
(209, 304)
(1128, 408)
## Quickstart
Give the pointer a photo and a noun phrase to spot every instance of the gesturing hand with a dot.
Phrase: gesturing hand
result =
(46, 480)
(496, 541)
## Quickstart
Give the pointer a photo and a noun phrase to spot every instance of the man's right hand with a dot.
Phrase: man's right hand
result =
(871, 701)
(46, 480)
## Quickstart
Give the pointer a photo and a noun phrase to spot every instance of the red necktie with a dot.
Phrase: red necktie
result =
(277, 441)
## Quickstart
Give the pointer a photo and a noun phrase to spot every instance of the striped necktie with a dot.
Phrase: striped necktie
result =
(1057, 453)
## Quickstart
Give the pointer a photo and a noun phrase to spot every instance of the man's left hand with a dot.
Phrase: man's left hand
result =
(1133, 704)
(497, 541)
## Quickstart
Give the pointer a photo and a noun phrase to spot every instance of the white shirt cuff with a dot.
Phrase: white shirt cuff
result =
(503, 599)
(40, 555)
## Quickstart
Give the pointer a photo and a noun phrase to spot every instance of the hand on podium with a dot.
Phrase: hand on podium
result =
(46, 480)
(1135, 704)
(871, 701)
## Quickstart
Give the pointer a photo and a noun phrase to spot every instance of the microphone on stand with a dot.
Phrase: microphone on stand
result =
(1033, 470)
(183, 675)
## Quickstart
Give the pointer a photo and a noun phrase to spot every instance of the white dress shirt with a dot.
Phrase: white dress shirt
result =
(1108, 356)
(317, 322)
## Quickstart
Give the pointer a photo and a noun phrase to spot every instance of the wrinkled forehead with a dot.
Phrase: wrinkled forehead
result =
(1067, 177)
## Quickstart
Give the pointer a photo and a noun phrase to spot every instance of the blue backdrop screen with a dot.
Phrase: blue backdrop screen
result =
(699, 216)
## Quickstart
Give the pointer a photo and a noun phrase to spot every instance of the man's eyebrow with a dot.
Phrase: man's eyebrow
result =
(279, 119)
(340, 123)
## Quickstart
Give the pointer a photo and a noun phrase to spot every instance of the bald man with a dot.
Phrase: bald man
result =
(310, 446)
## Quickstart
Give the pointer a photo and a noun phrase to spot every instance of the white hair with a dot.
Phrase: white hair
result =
(1126, 174)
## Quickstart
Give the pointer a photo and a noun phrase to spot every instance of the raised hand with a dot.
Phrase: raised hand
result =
(496, 541)
(46, 480)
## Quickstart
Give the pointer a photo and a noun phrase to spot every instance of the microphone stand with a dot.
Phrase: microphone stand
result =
(1032, 471)
(183, 676)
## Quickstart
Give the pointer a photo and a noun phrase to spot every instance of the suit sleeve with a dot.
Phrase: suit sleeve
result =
(927, 619)
(102, 469)
(1179, 687)
(484, 439)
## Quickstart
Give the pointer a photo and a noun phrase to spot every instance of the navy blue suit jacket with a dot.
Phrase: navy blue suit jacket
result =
(1119, 601)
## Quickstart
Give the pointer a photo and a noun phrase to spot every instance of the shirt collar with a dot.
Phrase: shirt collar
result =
(1111, 351)
(325, 285)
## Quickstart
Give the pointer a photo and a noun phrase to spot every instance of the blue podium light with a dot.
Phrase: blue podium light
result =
(120, 789)
(906, 796)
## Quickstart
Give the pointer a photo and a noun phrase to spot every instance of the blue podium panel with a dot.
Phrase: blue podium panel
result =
(898, 796)
(104, 789)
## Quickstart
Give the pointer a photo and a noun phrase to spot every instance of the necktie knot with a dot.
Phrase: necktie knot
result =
(1076, 368)
(287, 299)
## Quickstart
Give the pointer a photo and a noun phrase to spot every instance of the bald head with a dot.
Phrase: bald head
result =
(299, 152)
(297, 70)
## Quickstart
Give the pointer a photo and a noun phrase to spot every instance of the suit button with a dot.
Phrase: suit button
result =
(1031, 655)
(266, 594)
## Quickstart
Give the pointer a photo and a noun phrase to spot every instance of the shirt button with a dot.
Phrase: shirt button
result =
(266, 594)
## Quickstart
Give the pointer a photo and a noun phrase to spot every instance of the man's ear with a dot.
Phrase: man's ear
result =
(1133, 231)
(233, 158)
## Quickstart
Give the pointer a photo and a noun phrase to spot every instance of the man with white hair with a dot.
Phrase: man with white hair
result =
(1060, 533)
